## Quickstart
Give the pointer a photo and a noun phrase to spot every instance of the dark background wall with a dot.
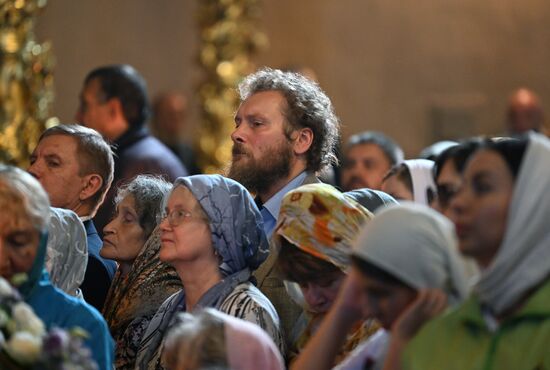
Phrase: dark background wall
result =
(418, 70)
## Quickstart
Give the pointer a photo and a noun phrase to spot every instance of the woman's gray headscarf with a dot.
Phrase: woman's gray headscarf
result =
(371, 199)
(418, 246)
(235, 221)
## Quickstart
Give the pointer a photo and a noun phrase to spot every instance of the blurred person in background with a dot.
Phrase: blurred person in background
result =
(367, 157)
(170, 110)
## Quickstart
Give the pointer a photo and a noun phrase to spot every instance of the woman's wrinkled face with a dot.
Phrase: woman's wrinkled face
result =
(123, 236)
(383, 301)
(19, 241)
(320, 294)
(480, 208)
(185, 231)
(397, 189)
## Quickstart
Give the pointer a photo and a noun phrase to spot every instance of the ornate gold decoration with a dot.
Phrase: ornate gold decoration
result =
(26, 81)
(228, 38)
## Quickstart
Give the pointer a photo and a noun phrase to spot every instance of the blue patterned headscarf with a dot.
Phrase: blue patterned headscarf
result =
(235, 221)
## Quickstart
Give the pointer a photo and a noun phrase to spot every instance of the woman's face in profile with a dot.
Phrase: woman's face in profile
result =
(383, 301)
(19, 241)
(123, 236)
(480, 208)
(319, 295)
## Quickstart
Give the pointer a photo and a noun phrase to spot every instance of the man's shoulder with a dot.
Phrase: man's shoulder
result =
(93, 239)
(150, 155)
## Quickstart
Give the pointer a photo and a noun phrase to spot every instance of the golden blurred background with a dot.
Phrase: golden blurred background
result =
(418, 71)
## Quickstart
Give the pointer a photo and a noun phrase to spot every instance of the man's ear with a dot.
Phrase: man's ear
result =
(303, 141)
(92, 184)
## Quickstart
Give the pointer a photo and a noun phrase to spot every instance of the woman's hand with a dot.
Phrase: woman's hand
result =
(347, 302)
(428, 304)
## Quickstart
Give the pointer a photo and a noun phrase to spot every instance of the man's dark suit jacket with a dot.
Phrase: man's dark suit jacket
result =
(99, 272)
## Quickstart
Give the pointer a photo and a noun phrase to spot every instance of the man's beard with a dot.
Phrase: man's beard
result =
(258, 175)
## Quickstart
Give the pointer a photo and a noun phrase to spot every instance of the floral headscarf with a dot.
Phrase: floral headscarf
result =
(321, 221)
(235, 221)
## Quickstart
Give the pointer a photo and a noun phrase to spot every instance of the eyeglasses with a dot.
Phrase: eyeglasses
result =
(175, 218)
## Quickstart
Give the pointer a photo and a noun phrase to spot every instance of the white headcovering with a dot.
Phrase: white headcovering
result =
(416, 245)
(422, 178)
(523, 259)
(67, 250)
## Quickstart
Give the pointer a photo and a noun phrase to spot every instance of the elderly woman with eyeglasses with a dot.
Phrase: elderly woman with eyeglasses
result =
(213, 236)
(142, 281)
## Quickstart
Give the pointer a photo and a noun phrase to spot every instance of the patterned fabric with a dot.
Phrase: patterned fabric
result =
(270, 282)
(359, 334)
(235, 221)
(321, 221)
(248, 303)
(239, 239)
(368, 355)
(244, 301)
(67, 251)
(134, 298)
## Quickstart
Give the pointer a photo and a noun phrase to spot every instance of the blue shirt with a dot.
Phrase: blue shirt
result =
(270, 209)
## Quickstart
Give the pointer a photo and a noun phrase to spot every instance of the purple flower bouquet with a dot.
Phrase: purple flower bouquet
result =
(25, 344)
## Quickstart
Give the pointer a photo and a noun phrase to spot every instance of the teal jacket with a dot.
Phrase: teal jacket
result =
(461, 340)
(57, 309)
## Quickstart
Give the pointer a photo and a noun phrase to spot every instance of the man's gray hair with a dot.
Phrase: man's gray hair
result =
(149, 193)
(307, 106)
(94, 155)
(391, 149)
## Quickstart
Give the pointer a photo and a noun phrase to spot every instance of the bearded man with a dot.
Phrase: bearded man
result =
(285, 133)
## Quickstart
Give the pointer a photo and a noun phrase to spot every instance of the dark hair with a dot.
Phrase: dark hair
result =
(149, 193)
(301, 267)
(123, 82)
(459, 154)
(511, 150)
(376, 273)
(307, 106)
(403, 174)
(391, 150)
(94, 155)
